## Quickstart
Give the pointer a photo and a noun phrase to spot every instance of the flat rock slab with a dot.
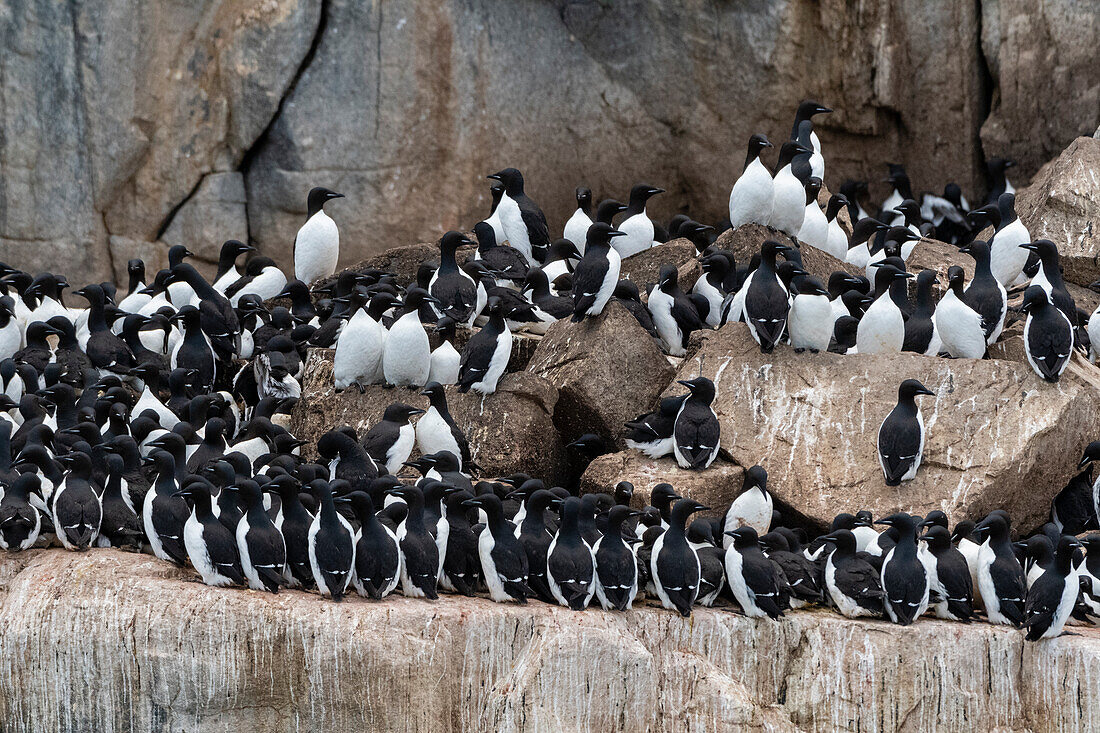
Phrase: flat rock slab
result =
(108, 640)
(510, 430)
(997, 435)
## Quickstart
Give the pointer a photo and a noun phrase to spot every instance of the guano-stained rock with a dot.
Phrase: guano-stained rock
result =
(997, 435)
(1062, 204)
(108, 640)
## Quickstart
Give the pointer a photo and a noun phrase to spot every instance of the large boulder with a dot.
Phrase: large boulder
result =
(607, 370)
(510, 430)
(1062, 204)
(745, 241)
(997, 435)
(168, 653)
(645, 267)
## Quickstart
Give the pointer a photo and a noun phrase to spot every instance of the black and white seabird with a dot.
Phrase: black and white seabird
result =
(1048, 335)
(457, 295)
(486, 354)
(751, 576)
(260, 544)
(788, 192)
(1001, 579)
(419, 552)
(570, 564)
(317, 244)
(1007, 260)
(536, 538)
(751, 197)
(949, 577)
(20, 522)
(522, 220)
(753, 506)
(766, 300)
(674, 565)
(577, 226)
(801, 572)
(852, 583)
(1051, 599)
(960, 327)
(377, 554)
(616, 563)
(390, 442)
(597, 274)
(901, 435)
(882, 327)
(436, 430)
(121, 525)
(331, 544)
(674, 314)
(810, 320)
(905, 582)
(163, 513)
(920, 328)
(407, 358)
(503, 558)
(985, 294)
(210, 545)
(696, 434)
(637, 226)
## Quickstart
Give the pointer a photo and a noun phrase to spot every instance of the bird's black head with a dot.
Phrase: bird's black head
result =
(911, 388)
(451, 241)
(600, 234)
(399, 412)
(756, 478)
(317, 198)
(640, 193)
(234, 248)
(609, 209)
(486, 236)
(743, 537)
(1092, 453)
(511, 178)
(1034, 299)
(700, 388)
(759, 142)
(809, 108)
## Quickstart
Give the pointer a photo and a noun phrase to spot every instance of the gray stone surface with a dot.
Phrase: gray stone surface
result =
(115, 115)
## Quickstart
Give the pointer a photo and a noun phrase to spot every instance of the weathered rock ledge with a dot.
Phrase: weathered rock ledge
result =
(112, 641)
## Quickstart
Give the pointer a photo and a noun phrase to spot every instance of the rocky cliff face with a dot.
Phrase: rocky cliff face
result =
(127, 128)
(113, 641)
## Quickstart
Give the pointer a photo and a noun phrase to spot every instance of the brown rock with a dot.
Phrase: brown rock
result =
(405, 261)
(997, 435)
(510, 430)
(167, 653)
(745, 241)
(607, 370)
(715, 486)
(645, 267)
(1062, 204)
